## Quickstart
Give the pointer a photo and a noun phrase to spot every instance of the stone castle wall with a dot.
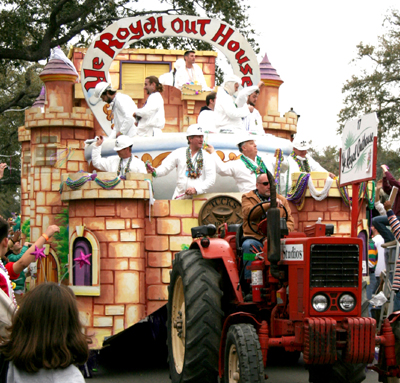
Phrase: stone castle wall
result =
(46, 136)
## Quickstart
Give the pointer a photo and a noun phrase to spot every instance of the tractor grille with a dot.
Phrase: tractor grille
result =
(334, 265)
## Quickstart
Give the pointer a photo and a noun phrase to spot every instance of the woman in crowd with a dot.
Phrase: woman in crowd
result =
(46, 339)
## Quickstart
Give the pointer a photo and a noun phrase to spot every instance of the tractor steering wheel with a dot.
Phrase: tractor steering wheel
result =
(260, 225)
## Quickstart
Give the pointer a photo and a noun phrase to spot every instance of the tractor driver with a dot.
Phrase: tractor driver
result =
(254, 242)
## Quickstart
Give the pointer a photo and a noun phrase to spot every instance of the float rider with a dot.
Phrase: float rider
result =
(248, 167)
(123, 107)
(124, 162)
(195, 167)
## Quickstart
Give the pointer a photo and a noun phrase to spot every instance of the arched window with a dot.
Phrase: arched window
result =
(84, 280)
(82, 275)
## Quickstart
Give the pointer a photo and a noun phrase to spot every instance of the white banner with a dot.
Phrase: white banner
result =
(122, 33)
(293, 252)
(358, 149)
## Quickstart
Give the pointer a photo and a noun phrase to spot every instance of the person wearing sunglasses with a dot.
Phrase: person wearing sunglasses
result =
(248, 167)
(254, 243)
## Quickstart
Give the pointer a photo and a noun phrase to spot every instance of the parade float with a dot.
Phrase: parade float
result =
(121, 242)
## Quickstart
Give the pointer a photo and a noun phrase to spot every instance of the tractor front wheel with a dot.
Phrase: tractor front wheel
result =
(194, 319)
(243, 357)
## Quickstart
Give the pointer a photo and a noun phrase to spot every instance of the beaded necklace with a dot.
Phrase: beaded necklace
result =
(261, 198)
(126, 168)
(194, 171)
(257, 170)
(304, 166)
(9, 284)
(191, 74)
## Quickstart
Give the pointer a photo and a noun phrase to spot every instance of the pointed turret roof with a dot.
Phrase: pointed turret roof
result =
(268, 72)
(39, 102)
(58, 68)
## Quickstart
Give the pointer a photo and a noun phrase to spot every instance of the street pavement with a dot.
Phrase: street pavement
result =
(136, 357)
(143, 372)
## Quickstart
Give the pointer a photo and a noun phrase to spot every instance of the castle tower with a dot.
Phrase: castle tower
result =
(52, 144)
(268, 103)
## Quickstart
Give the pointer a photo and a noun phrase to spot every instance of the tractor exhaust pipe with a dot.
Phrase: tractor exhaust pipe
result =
(273, 230)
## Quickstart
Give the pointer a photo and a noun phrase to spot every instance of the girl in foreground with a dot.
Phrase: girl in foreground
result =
(46, 339)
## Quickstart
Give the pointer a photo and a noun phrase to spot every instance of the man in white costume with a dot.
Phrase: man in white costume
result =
(248, 167)
(228, 115)
(125, 162)
(169, 77)
(190, 73)
(151, 118)
(300, 161)
(195, 167)
(253, 122)
(206, 117)
(123, 107)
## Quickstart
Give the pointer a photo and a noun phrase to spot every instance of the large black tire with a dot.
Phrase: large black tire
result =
(194, 319)
(243, 357)
(339, 372)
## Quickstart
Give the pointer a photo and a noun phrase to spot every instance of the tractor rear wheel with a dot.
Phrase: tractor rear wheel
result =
(194, 319)
(243, 357)
(339, 372)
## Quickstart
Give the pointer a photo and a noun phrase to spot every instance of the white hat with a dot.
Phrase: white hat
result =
(301, 143)
(99, 89)
(233, 78)
(194, 130)
(244, 138)
(123, 142)
(179, 63)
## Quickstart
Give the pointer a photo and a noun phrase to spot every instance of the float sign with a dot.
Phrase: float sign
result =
(124, 32)
(358, 150)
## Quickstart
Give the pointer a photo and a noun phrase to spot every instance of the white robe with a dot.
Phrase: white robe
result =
(293, 168)
(177, 159)
(206, 120)
(227, 115)
(123, 108)
(110, 164)
(152, 115)
(167, 78)
(253, 123)
(185, 75)
(244, 177)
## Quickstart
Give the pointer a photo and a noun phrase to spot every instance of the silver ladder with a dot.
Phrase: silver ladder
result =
(387, 275)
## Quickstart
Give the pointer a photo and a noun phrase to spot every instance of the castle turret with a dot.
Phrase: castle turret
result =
(268, 103)
(53, 144)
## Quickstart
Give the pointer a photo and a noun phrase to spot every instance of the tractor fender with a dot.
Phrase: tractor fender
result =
(220, 249)
(238, 317)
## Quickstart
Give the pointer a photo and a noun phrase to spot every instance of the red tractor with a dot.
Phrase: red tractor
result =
(305, 296)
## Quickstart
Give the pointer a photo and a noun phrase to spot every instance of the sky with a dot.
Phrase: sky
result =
(311, 45)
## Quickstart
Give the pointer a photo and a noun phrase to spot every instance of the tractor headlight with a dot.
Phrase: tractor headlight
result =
(320, 302)
(347, 302)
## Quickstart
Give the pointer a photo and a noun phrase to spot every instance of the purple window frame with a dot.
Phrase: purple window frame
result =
(82, 276)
